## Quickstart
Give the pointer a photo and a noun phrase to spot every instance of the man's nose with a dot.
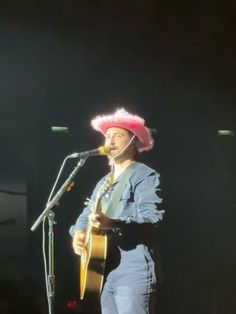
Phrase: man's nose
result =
(111, 140)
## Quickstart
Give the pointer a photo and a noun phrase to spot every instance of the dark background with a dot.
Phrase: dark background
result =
(173, 62)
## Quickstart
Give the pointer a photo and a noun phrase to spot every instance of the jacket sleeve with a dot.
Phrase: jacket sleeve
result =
(147, 200)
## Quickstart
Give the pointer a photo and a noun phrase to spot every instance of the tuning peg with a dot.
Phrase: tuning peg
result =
(88, 202)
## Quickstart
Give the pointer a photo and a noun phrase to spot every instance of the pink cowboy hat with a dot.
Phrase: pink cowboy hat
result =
(123, 119)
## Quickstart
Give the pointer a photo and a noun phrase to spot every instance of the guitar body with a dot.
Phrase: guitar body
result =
(92, 261)
(92, 264)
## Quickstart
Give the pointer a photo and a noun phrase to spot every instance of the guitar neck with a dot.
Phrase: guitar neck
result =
(96, 207)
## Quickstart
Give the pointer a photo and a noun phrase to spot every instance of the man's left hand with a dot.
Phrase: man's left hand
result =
(99, 220)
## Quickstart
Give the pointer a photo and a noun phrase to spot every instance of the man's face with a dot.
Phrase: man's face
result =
(116, 139)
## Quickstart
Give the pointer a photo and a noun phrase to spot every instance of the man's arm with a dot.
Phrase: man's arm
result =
(148, 208)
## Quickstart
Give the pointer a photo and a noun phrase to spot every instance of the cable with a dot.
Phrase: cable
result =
(112, 159)
(57, 178)
(44, 241)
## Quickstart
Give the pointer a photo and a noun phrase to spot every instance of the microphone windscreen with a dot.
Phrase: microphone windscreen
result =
(103, 150)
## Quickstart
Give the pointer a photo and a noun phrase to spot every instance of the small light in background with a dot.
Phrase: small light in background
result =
(225, 132)
(71, 304)
(59, 129)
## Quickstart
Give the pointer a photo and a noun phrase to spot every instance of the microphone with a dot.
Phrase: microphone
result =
(100, 151)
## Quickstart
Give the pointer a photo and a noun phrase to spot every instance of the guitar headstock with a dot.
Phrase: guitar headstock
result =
(105, 186)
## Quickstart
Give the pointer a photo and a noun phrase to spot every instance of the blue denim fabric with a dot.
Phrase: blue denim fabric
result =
(130, 283)
(139, 202)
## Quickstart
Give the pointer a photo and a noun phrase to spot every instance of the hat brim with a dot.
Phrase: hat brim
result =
(132, 123)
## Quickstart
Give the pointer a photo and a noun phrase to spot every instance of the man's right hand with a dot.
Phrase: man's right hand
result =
(78, 242)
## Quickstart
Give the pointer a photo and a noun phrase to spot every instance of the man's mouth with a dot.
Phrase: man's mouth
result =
(112, 149)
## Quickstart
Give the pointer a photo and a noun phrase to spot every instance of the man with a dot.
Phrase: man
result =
(130, 280)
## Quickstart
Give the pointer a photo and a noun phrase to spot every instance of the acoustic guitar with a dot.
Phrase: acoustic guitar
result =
(92, 261)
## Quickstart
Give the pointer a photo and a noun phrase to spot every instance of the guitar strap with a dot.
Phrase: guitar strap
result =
(109, 208)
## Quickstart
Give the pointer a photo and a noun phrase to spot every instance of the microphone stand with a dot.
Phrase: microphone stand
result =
(51, 273)
(48, 213)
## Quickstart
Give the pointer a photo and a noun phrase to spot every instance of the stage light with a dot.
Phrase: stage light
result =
(225, 132)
